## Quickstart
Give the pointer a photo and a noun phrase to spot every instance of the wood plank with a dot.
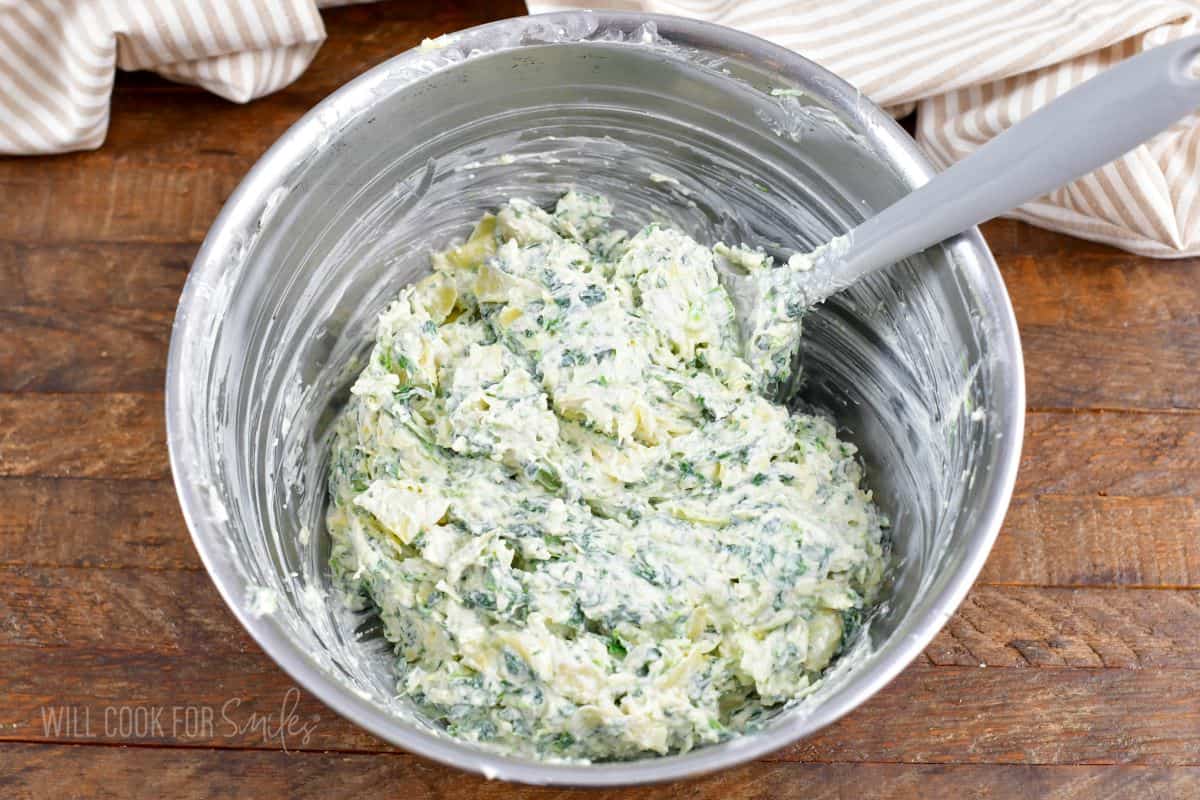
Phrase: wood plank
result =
(90, 639)
(1061, 530)
(1047, 540)
(94, 276)
(1121, 365)
(65, 694)
(11, 274)
(77, 435)
(178, 611)
(1111, 289)
(51, 350)
(65, 522)
(1109, 330)
(102, 772)
(1006, 626)
(1111, 454)
(930, 714)
(1032, 716)
(119, 611)
(1104, 453)
(88, 317)
(1054, 540)
(1100, 331)
(102, 196)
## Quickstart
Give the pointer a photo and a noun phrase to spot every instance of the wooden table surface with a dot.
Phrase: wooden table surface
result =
(1070, 671)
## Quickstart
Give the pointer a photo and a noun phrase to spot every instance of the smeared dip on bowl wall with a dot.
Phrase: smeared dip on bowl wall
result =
(588, 531)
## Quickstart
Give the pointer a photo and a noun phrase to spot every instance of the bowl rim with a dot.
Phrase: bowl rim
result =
(237, 215)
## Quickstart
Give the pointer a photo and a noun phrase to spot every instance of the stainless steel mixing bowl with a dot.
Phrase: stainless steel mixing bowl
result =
(722, 134)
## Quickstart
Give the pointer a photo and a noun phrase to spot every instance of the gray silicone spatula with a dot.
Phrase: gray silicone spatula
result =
(1089, 126)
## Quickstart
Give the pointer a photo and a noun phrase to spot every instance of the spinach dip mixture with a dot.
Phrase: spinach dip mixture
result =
(587, 531)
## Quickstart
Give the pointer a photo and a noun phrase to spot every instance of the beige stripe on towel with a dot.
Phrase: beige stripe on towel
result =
(972, 68)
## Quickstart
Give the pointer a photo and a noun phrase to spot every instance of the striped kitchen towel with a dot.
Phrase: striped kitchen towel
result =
(972, 68)
(58, 58)
(969, 67)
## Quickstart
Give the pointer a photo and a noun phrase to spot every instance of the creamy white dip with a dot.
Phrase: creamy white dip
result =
(586, 529)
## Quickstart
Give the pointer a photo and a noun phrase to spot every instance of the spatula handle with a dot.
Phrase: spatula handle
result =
(1087, 127)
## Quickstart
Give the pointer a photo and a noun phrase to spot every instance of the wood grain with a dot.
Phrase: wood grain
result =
(1047, 540)
(119, 611)
(65, 522)
(1102, 453)
(1058, 540)
(91, 639)
(1087, 613)
(80, 435)
(49, 350)
(26, 769)
(64, 694)
(176, 611)
(103, 197)
(930, 714)
(1005, 626)
(1109, 454)
(1105, 331)
(94, 276)
(88, 317)
(1030, 716)
(1110, 290)
(1108, 330)
(93, 523)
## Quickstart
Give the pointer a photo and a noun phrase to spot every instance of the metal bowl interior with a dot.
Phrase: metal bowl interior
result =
(746, 142)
